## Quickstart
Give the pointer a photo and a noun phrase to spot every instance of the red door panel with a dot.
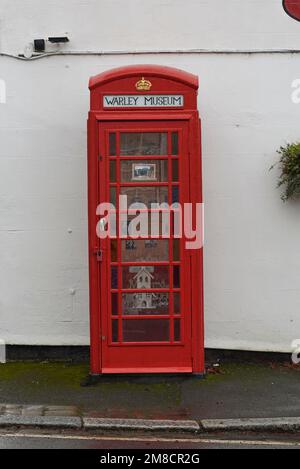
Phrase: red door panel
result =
(145, 283)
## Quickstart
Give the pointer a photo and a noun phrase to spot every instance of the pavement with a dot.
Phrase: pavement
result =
(256, 397)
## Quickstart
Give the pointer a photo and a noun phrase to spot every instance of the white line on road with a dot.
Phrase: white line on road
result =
(153, 439)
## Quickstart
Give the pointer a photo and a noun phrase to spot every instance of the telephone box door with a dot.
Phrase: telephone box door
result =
(145, 270)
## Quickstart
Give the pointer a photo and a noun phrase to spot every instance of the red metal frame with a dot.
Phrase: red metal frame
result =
(186, 356)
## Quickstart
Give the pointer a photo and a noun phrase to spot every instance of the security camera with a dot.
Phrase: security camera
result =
(40, 44)
(57, 40)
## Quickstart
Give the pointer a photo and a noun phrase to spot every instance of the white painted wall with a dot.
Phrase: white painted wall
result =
(252, 255)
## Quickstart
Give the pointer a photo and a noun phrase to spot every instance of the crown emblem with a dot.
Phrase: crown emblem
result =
(143, 85)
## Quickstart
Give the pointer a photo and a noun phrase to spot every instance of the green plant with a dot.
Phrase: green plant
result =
(289, 164)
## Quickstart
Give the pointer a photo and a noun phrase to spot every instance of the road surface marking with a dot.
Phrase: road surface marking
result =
(153, 439)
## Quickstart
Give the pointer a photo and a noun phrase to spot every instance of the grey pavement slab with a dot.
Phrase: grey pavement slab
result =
(259, 424)
(39, 410)
(40, 421)
(32, 410)
(140, 424)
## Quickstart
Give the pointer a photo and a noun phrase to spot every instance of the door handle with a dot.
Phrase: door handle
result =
(99, 254)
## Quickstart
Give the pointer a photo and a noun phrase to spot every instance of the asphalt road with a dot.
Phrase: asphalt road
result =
(35, 440)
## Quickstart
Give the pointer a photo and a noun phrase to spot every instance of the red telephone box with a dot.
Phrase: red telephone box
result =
(146, 294)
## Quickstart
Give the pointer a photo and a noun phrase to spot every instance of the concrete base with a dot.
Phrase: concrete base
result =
(92, 380)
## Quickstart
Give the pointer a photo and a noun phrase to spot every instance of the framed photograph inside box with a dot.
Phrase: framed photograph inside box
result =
(144, 172)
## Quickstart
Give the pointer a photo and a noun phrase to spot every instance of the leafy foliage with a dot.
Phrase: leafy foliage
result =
(289, 164)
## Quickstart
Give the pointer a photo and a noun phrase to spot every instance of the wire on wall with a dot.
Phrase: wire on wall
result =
(151, 52)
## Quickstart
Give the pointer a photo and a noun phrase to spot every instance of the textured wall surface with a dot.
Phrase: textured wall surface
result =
(252, 256)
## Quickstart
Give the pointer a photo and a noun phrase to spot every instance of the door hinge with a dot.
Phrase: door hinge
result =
(100, 157)
(99, 254)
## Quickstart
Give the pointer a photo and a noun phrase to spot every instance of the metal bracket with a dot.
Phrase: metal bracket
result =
(99, 254)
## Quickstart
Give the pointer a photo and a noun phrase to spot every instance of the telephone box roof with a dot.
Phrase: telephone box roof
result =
(159, 71)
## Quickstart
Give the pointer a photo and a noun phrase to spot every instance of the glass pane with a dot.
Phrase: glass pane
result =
(174, 139)
(145, 277)
(148, 170)
(141, 250)
(145, 303)
(114, 250)
(143, 143)
(152, 224)
(112, 144)
(177, 330)
(113, 171)
(159, 224)
(114, 327)
(145, 195)
(175, 171)
(176, 249)
(114, 304)
(113, 196)
(176, 276)
(114, 277)
(176, 299)
(147, 330)
(175, 194)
